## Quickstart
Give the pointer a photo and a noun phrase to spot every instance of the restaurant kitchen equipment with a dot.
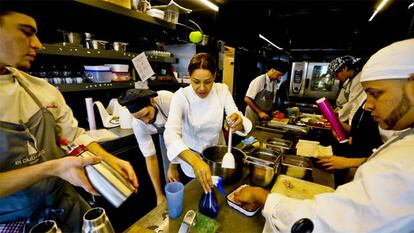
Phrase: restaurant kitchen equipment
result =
(264, 164)
(310, 80)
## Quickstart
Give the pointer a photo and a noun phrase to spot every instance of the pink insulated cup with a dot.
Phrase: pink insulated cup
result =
(328, 112)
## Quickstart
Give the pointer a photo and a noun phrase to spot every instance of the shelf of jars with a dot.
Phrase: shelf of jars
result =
(79, 51)
(94, 86)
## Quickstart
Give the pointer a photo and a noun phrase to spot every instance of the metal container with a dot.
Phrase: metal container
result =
(296, 166)
(97, 44)
(214, 155)
(264, 164)
(74, 38)
(279, 144)
(47, 226)
(96, 221)
(119, 46)
(106, 180)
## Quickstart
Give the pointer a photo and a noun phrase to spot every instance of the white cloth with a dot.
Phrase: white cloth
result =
(143, 131)
(196, 123)
(257, 85)
(17, 105)
(347, 107)
(380, 65)
(379, 199)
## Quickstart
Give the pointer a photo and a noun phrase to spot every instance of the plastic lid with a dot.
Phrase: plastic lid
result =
(97, 68)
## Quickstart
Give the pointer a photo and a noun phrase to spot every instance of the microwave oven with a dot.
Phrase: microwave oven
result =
(310, 80)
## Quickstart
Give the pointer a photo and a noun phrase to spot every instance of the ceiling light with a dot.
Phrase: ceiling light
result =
(210, 4)
(381, 5)
(268, 41)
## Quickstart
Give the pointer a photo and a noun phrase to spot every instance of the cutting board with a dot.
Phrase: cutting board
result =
(297, 188)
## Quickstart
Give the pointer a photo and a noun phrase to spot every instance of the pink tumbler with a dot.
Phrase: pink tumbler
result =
(328, 112)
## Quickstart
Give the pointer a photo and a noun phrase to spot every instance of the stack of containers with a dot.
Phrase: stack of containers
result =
(98, 74)
(119, 72)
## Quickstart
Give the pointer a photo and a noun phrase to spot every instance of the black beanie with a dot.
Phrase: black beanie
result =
(136, 99)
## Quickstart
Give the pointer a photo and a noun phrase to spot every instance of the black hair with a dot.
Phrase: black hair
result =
(202, 61)
(16, 6)
(358, 65)
(278, 65)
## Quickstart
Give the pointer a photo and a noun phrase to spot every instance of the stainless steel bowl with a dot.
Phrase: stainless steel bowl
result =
(214, 155)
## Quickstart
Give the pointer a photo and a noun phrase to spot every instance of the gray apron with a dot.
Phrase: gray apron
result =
(163, 148)
(26, 144)
(263, 100)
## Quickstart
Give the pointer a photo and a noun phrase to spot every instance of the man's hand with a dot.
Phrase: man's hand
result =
(72, 170)
(172, 173)
(263, 116)
(338, 162)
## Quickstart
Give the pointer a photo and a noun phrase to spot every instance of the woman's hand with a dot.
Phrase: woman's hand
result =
(172, 173)
(203, 174)
(235, 121)
(250, 197)
(338, 162)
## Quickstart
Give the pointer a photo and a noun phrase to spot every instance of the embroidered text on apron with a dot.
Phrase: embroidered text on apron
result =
(23, 145)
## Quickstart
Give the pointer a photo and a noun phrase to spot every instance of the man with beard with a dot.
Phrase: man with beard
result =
(380, 197)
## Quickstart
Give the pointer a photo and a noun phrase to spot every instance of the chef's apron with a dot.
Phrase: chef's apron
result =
(26, 144)
(163, 148)
(263, 100)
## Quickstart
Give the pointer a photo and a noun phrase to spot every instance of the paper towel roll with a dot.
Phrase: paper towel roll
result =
(91, 114)
(125, 118)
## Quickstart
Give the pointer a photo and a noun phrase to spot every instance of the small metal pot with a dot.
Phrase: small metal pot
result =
(97, 44)
(214, 155)
(72, 37)
(119, 46)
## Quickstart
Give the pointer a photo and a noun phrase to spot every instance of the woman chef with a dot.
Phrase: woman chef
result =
(196, 119)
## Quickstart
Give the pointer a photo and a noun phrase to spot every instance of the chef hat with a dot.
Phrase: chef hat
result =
(136, 99)
(395, 61)
(338, 62)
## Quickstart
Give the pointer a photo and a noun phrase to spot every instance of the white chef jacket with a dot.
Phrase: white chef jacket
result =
(143, 131)
(195, 123)
(257, 85)
(347, 107)
(379, 199)
(17, 105)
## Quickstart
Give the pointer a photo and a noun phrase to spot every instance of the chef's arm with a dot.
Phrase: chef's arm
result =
(154, 173)
(122, 166)
(69, 168)
(201, 169)
(257, 110)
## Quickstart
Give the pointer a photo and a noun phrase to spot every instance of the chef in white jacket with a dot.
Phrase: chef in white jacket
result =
(380, 198)
(347, 70)
(196, 119)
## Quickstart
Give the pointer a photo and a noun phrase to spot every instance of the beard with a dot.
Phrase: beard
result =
(402, 108)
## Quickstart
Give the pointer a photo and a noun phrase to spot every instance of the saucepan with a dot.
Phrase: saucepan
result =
(214, 155)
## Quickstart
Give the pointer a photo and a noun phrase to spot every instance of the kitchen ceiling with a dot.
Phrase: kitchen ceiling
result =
(295, 25)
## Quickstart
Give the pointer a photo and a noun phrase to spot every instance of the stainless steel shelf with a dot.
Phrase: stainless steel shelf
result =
(94, 86)
(79, 51)
(107, 6)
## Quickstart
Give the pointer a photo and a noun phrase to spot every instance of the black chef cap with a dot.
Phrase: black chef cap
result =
(136, 99)
(278, 65)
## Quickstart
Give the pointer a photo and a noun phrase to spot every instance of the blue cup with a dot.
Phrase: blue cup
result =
(174, 193)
